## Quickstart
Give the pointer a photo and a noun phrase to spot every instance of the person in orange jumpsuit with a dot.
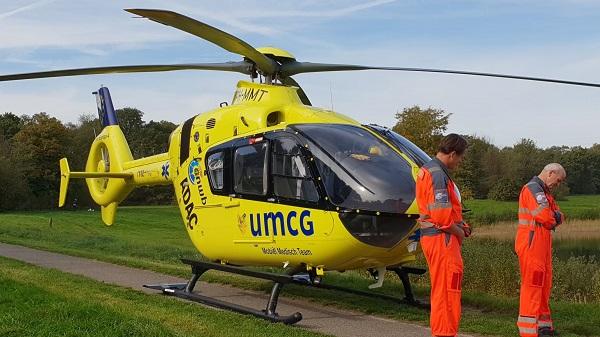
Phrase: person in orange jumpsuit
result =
(442, 233)
(538, 216)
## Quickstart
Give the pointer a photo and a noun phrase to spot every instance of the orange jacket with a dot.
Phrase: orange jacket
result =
(436, 196)
(537, 206)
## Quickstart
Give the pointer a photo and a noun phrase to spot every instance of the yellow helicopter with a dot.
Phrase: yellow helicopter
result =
(268, 180)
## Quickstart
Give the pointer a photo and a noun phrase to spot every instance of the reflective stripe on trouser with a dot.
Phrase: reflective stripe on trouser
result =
(445, 271)
(545, 321)
(527, 326)
(535, 262)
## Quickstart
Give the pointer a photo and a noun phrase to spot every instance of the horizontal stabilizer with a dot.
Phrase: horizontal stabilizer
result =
(66, 174)
(101, 175)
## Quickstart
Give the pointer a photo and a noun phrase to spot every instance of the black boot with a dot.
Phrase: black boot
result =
(546, 332)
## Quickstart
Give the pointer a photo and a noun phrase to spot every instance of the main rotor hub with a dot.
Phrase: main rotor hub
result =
(277, 54)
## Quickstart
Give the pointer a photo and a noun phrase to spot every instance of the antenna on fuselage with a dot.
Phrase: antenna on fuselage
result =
(331, 95)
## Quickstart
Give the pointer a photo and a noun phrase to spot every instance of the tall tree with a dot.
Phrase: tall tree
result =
(39, 145)
(10, 124)
(155, 137)
(13, 186)
(131, 122)
(579, 164)
(471, 175)
(424, 127)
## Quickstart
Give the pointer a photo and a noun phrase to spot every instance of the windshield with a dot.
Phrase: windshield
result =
(404, 145)
(358, 170)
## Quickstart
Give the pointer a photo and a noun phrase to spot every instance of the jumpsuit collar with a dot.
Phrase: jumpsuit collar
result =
(540, 182)
(442, 165)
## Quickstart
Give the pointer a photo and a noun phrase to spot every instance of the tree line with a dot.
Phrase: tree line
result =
(499, 173)
(31, 146)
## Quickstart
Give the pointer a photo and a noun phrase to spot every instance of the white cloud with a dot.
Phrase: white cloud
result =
(30, 6)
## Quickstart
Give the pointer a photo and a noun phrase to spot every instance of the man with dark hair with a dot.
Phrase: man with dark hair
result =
(442, 233)
(538, 215)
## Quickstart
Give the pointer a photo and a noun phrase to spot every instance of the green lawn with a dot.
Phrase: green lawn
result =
(485, 212)
(155, 238)
(44, 302)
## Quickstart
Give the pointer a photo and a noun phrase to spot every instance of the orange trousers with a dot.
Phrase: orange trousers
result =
(533, 245)
(442, 252)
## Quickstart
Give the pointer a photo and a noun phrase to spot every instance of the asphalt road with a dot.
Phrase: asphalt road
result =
(328, 320)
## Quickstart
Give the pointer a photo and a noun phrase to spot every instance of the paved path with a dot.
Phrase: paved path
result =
(338, 322)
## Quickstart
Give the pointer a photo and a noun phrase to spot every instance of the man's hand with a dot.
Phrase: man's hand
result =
(467, 230)
(559, 217)
(457, 231)
(360, 156)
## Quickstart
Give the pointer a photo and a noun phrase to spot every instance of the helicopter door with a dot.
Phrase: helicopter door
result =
(251, 186)
(292, 179)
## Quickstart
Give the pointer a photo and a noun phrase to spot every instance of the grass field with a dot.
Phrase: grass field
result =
(155, 238)
(484, 212)
(44, 302)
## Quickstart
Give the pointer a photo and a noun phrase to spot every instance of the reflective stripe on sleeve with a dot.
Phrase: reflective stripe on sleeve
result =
(538, 210)
(431, 231)
(426, 224)
(524, 210)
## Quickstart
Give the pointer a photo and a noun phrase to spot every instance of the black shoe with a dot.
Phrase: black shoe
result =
(546, 332)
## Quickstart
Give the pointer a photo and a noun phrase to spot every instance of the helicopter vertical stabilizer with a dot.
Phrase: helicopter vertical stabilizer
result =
(106, 110)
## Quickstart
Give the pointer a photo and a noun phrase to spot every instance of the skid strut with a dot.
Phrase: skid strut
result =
(185, 290)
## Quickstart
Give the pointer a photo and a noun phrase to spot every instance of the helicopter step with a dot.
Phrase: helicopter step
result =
(185, 291)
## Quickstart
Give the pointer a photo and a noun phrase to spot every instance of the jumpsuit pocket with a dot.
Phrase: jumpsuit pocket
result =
(530, 238)
(537, 275)
(455, 276)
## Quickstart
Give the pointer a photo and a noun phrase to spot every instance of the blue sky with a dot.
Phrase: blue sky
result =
(551, 38)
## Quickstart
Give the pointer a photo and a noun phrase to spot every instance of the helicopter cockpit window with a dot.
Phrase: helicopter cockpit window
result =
(250, 169)
(215, 170)
(291, 175)
(406, 146)
(358, 170)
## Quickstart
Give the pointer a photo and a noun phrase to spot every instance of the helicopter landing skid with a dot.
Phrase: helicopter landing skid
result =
(402, 273)
(185, 291)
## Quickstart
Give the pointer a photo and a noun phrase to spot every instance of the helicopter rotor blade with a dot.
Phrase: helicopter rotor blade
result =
(293, 68)
(211, 34)
(303, 97)
(239, 67)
